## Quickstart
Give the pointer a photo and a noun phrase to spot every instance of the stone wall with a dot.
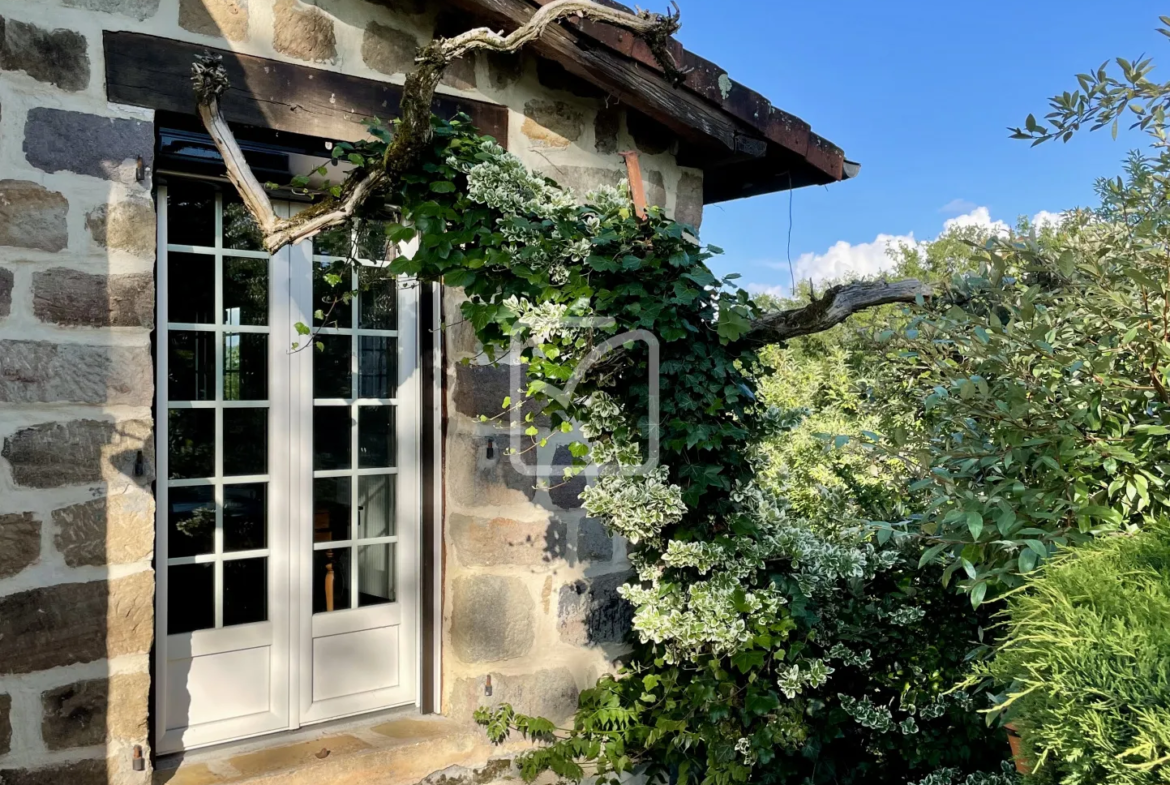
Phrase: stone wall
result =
(76, 384)
(530, 582)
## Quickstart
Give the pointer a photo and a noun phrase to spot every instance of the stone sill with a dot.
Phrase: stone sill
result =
(397, 748)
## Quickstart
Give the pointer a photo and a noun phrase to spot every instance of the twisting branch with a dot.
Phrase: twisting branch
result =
(413, 133)
(837, 304)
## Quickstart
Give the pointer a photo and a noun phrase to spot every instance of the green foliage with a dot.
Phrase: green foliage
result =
(1087, 662)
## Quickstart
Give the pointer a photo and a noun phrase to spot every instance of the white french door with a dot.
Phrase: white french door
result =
(288, 486)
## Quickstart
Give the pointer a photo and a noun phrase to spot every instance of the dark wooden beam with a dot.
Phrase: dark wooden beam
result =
(686, 114)
(143, 70)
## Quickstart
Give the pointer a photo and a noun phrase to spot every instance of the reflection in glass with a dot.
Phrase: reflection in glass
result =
(191, 443)
(191, 213)
(245, 517)
(190, 366)
(377, 367)
(245, 367)
(245, 591)
(190, 288)
(331, 509)
(190, 598)
(375, 506)
(372, 243)
(377, 299)
(245, 291)
(331, 580)
(328, 298)
(245, 441)
(375, 574)
(240, 230)
(331, 436)
(332, 367)
(375, 437)
(190, 521)
(333, 242)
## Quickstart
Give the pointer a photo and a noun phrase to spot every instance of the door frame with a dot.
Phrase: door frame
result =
(421, 552)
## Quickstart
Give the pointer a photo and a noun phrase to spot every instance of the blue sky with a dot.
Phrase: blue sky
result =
(920, 93)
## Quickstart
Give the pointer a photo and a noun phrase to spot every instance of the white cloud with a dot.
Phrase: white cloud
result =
(1045, 218)
(845, 260)
(957, 206)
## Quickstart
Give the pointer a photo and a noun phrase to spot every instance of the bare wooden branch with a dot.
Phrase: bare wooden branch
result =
(413, 133)
(837, 304)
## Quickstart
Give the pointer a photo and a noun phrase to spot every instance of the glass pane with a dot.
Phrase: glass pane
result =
(375, 506)
(190, 598)
(191, 436)
(377, 299)
(331, 433)
(327, 297)
(190, 366)
(332, 368)
(331, 509)
(333, 242)
(245, 291)
(190, 288)
(375, 574)
(372, 243)
(191, 213)
(190, 521)
(245, 441)
(331, 580)
(377, 367)
(375, 437)
(245, 517)
(240, 230)
(245, 367)
(245, 591)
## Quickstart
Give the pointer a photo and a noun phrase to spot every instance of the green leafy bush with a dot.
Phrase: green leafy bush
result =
(1087, 662)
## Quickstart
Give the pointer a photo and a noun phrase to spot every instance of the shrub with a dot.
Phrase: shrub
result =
(1087, 662)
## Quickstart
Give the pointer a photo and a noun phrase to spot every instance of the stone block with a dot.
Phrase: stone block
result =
(137, 9)
(552, 123)
(407, 7)
(32, 216)
(592, 612)
(461, 73)
(46, 372)
(487, 542)
(76, 299)
(85, 772)
(549, 693)
(594, 543)
(74, 623)
(606, 127)
(458, 334)
(565, 494)
(118, 529)
(303, 31)
(80, 452)
(220, 18)
(688, 200)
(20, 542)
(554, 76)
(6, 284)
(481, 390)
(583, 179)
(124, 226)
(56, 140)
(5, 724)
(474, 478)
(655, 187)
(56, 57)
(650, 136)
(504, 68)
(96, 711)
(388, 50)
(492, 619)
